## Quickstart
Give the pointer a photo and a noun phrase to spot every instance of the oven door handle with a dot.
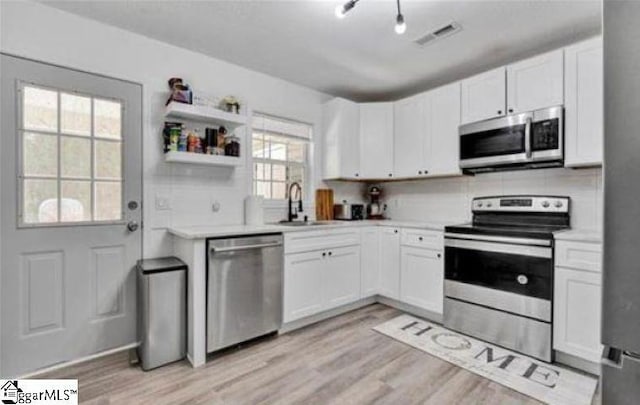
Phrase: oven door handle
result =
(500, 239)
(527, 138)
(521, 250)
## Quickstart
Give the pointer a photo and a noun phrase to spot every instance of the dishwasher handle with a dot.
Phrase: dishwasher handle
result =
(215, 250)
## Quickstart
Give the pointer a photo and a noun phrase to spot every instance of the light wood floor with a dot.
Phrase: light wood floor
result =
(338, 361)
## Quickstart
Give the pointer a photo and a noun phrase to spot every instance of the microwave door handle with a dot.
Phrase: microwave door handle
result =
(527, 138)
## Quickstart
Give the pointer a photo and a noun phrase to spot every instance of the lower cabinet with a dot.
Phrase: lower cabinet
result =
(577, 299)
(369, 262)
(389, 263)
(422, 278)
(577, 313)
(320, 280)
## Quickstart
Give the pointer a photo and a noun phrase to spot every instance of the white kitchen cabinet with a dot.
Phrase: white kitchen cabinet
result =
(390, 262)
(584, 109)
(536, 83)
(303, 276)
(410, 135)
(341, 121)
(483, 96)
(576, 299)
(376, 140)
(443, 151)
(577, 313)
(341, 276)
(422, 278)
(370, 262)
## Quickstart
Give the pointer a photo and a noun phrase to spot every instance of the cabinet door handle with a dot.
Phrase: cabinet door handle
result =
(420, 238)
(510, 110)
(395, 231)
(357, 174)
(499, 112)
(419, 172)
(439, 255)
(390, 174)
(330, 253)
(324, 254)
(426, 171)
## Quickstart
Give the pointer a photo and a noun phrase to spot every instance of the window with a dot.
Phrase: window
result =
(280, 155)
(70, 151)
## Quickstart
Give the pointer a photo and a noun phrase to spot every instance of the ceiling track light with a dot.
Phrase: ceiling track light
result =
(342, 10)
(401, 26)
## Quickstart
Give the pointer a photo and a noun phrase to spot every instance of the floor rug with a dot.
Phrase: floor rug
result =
(545, 382)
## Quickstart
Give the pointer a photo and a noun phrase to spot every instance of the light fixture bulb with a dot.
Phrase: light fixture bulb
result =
(340, 11)
(401, 26)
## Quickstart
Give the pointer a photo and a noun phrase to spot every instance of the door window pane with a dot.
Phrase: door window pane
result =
(40, 203)
(76, 157)
(108, 201)
(107, 119)
(40, 109)
(75, 205)
(72, 169)
(108, 160)
(40, 155)
(75, 114)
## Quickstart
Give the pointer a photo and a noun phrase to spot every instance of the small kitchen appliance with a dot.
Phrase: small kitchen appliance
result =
(375, 208)
(348, 212)
(499, 272)
(527, 140)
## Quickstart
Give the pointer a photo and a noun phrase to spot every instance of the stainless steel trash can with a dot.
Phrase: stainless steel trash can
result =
(162, 311)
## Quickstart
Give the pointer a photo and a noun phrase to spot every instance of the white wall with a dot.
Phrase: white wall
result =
(449, 199)
(46, 34)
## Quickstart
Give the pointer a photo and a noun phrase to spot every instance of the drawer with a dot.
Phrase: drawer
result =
(579, 255)
(306, 241)
(422, 239)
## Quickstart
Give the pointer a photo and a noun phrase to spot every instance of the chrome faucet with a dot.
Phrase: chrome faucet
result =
(293, 215)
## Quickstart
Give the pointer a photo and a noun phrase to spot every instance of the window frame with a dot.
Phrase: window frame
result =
(58, 134)
(307, 165)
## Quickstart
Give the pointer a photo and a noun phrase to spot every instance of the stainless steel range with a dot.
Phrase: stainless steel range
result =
(499, 272)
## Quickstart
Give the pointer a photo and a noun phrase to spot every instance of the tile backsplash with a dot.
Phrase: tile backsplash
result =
(449, 199)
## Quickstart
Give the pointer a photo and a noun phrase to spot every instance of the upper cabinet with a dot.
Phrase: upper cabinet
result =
(483, 96)
(376, 140)
(535, 83)
(584, 124)
(444, 148)
(410, 135)
(426, 133)
(341, 120)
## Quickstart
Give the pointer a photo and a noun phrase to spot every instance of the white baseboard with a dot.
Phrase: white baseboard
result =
(80, 360)
(413, 310)
(577, 362)
(301, 323)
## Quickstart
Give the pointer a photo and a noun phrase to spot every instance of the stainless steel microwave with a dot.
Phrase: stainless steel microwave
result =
(528, 140)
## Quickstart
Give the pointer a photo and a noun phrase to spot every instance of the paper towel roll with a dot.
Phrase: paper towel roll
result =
(254, 210)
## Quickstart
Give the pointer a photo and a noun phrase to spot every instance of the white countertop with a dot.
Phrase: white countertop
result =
(216, 231)
(579, 235)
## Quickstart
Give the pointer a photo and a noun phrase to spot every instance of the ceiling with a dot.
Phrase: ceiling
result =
(359, 57)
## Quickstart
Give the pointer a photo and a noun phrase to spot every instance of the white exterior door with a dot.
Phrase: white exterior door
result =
(70, 206)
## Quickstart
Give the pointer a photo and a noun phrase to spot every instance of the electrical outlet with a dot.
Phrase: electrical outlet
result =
(163, 203)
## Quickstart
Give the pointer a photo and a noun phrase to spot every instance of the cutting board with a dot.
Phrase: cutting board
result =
(324, 204)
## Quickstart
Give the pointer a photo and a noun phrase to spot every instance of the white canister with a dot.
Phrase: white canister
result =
(254, 210)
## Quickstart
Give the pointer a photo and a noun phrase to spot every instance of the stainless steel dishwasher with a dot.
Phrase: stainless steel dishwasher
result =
(244, 288)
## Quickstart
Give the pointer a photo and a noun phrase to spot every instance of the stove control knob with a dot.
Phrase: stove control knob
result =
(558, 204)
(489, 205)
(545, 204)
(522, 279)
(480, 204)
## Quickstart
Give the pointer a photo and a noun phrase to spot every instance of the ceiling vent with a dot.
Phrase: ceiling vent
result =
(438, 33)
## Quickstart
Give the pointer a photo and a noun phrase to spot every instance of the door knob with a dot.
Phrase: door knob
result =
(132, 226)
